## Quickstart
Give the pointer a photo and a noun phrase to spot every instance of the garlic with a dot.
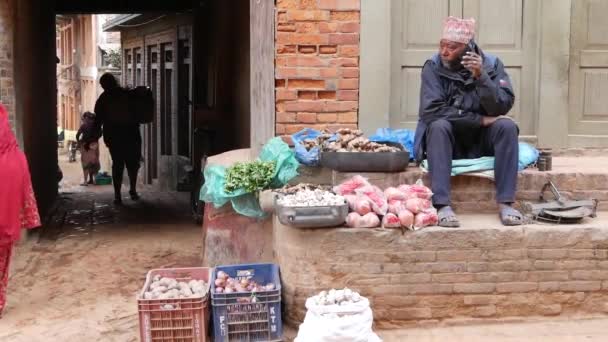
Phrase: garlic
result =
(311, 198)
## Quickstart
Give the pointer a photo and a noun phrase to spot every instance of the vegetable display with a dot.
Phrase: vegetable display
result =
(311, 198)
(226, 284)
(337, 297)
(169, 288)
(251, 176)
(346, 140)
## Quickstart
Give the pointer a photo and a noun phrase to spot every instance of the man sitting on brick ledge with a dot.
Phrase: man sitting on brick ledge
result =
(464, 98)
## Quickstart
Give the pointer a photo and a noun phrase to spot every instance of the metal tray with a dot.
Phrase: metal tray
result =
(366, 161)
(312, 217)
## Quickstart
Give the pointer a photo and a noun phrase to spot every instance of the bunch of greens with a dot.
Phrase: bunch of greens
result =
(252, 176)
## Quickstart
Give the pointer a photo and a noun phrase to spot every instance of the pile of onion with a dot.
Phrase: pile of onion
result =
(226, 284)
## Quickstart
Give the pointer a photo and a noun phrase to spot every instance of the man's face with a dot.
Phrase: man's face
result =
(451, 53)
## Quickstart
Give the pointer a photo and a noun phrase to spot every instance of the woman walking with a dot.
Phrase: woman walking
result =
(87, 138)
(18, 207)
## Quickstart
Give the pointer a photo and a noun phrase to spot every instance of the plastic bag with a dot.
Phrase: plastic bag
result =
(308, 158)
(392, 194)
(404, 137)
(391, 220)
(369, 220)
(417, 190)
(362, 206)
(337, 323)
(376, 197)
(426, 218)
(348, 187)
(247, 204)
(406, 218)
(396, 206)
(417, 205)
(527, 155)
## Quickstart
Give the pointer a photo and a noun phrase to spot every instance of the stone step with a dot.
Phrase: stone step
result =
(482, 270)
(576, 177)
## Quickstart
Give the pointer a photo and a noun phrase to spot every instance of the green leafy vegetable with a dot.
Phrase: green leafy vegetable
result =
(252, 176)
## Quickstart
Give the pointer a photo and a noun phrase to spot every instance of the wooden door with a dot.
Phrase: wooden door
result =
(416, 31)
(502, 29)
(507, 29)
(588, 119)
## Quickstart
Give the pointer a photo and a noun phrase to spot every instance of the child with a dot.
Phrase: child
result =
(87, 138)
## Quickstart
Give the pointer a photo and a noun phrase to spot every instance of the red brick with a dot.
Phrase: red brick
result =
(304, 106)
(348, 95)
(343, 38)
(286, 72)
(349, 27)
(302, 38)
(280, 129)
(328, 27)
(308, 15)
(340, 4)
(308, 4)
(306, 84)
(306, 118)
(279, 106)
(328, 49)
(327, 95)
(307, 49)
(282, 17)
(281, 61)
(307, 95)
(306, 27)
(286, 27)
(351, 117)
(344, 16)
(344, 62)
(291, 129)
(327, 117)
(287, 4)
(341, 106)
(286, 117)
(307, 61)
(308, 72)
(349, 83)
(284, 94)
(279, 83)
(329, 72)
(350, 72)
(349, 51)
(285, 49)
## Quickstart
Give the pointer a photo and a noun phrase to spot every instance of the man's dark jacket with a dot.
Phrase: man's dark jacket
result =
(462, 100)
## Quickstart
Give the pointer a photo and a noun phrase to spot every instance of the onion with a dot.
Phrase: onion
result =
(269, 287)
(219, 289)
(222, 275)
(244, 282)
(220, 282)
(228, 290)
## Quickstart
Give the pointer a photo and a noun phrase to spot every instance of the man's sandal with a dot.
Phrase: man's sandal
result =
(447, 217)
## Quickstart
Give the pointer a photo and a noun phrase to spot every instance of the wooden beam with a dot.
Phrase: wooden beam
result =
(261, 39)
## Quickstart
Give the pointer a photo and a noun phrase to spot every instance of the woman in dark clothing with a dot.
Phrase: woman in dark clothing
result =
(120, 134)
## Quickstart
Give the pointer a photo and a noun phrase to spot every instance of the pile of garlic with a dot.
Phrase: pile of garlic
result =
(311, 198)
(337, 297)
(169, 288)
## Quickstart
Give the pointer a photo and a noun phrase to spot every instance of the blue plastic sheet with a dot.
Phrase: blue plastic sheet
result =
(404, 137)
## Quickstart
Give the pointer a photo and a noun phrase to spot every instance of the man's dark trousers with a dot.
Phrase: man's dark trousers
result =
(499, 140)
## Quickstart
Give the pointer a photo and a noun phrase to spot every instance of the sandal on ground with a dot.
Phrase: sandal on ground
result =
(510, 216)
(84, 184)
(117, 201)
(447, 217)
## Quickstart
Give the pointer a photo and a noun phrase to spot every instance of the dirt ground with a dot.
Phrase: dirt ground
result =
(77, 280)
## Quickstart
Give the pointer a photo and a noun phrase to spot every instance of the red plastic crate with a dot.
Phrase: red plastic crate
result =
(187, 319)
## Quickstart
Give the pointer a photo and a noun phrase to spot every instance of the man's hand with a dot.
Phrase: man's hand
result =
(473, 62)
(487, 121)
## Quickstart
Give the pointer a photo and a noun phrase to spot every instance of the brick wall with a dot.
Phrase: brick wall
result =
(7, 89)
(435, 274)
(317, 64)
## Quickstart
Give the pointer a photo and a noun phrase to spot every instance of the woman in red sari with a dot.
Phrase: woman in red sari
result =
(18, 207)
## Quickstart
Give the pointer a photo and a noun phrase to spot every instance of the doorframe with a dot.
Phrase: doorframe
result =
(262, 99)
